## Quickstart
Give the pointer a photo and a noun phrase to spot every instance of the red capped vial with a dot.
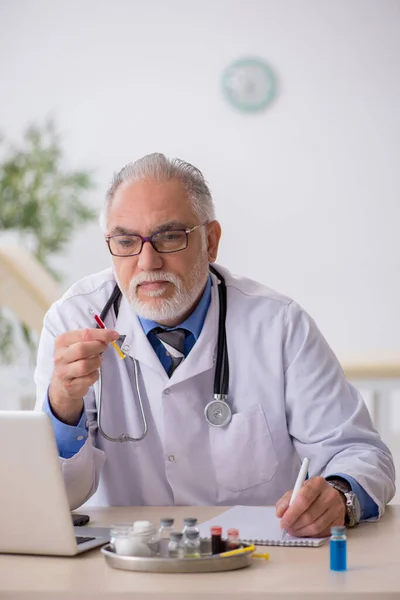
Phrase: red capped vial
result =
(216, 540)
(233, 541)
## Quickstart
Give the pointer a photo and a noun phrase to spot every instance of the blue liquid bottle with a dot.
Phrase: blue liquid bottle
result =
(338, 549)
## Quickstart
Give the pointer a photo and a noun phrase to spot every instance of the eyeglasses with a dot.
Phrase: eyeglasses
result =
(164, 242)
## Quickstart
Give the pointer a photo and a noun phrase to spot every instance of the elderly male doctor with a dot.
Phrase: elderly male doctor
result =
(287, 393)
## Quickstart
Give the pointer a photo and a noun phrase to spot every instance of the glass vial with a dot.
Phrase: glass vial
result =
(165, 528)
(338, 549)
(192, 544)
(175, 545)
(189, 524)
(232, 541)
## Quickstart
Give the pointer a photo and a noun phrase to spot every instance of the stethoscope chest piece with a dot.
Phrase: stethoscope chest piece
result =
(218, 413)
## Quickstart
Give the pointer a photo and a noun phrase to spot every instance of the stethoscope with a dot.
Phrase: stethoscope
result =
(217, 412)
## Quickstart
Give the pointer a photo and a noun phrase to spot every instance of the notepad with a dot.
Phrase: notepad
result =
(257, 525)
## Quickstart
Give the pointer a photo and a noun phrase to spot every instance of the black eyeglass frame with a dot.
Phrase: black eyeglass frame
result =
(150, 240)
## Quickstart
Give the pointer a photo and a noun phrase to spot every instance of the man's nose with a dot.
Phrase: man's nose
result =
(149, 259)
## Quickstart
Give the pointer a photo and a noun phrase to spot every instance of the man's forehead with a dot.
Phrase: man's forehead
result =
(150, 207)
(152, 189)
(145, 196)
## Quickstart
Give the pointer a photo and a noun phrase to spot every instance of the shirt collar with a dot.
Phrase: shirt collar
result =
(195, 321)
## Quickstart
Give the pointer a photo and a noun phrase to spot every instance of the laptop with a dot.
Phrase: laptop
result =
(35, 517)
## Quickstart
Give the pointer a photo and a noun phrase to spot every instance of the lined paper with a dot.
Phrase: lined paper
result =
(258, 525)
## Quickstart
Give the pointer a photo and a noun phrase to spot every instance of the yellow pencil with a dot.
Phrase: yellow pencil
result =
(257, 555)
(244, 550)
(238, 551)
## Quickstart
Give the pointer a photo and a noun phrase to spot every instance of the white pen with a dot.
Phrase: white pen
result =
(301, 477)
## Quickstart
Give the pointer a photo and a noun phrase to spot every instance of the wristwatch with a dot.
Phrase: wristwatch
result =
(353, 509)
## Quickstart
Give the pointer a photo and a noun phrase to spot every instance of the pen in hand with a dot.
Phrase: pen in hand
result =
(102, 326)
(301, 477)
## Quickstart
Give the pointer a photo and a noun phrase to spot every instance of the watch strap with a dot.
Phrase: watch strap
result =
(343, 486)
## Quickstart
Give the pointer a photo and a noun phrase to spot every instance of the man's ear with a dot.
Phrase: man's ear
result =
(213, 238)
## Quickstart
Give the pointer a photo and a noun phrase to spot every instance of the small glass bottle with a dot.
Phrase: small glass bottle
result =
(189, 524)
(192, 544)
(338, 549)
(175, 545)
(232, 541)
(165, 528)
(216, 540)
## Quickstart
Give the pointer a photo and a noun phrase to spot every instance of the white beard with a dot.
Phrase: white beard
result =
(167, 309)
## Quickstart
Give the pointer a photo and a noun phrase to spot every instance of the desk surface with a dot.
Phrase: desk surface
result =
(301, 573)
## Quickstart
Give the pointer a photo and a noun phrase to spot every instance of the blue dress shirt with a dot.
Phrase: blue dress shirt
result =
(71, 438)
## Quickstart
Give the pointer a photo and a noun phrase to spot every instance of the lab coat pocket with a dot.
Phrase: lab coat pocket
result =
(243, 452)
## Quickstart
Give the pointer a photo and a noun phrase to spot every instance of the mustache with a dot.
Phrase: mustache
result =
(153, 276)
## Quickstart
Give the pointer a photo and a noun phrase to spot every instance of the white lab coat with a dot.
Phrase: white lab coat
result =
(288, 395)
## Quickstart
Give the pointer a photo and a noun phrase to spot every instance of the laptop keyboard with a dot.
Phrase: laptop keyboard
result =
(81, 540)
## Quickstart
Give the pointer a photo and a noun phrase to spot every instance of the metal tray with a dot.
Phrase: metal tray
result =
(163, 564)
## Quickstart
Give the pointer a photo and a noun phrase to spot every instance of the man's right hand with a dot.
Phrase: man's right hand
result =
(77, 359)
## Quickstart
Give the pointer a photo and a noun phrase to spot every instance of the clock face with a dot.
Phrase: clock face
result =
(249, 84)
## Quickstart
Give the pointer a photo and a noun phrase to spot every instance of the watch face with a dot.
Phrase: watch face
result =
(249, 84)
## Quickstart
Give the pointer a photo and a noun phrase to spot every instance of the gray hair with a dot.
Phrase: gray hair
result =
(157, 167)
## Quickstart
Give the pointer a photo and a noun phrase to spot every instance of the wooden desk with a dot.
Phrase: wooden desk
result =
(300, 573)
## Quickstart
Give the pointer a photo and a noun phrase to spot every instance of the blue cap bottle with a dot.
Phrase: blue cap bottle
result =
(338, 549)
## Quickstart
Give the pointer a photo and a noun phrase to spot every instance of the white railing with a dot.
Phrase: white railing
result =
(379, 384)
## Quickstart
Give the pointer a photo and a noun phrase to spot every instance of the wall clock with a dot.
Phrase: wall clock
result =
(249, 84)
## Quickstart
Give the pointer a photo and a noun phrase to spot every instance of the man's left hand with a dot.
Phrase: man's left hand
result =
(316, 508)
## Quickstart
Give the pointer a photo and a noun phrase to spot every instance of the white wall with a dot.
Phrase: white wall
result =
(310, 186)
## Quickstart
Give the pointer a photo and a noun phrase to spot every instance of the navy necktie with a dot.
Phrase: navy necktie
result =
(174, 343)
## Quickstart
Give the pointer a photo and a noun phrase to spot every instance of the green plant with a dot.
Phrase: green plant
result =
(41, 200)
